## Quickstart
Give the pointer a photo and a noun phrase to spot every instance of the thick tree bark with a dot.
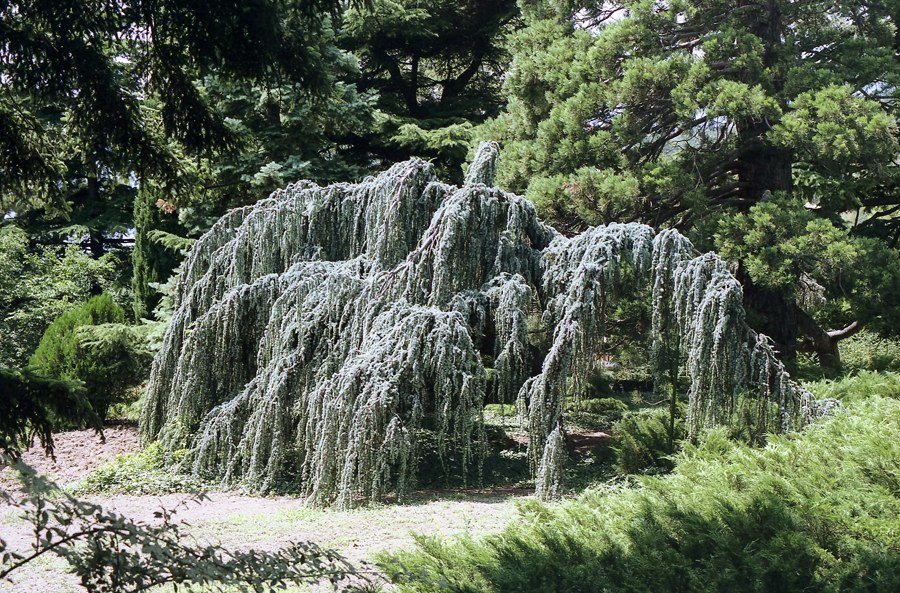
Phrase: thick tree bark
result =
(771, 314)
(763, 168)
(824, 343)
(95, 236)
(273, 112)
(96, 243)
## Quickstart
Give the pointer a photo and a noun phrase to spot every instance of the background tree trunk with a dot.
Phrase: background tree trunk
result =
(824, 343)
(771, 314)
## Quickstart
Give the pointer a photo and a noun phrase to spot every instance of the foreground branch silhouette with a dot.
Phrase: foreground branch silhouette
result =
(110, 552)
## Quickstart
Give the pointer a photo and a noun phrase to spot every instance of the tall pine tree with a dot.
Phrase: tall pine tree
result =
(689, 112)
(102, 97)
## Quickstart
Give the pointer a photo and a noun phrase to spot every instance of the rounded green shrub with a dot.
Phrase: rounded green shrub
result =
(90, 344)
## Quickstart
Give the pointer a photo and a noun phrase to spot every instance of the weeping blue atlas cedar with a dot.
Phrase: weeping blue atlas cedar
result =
(317, 333)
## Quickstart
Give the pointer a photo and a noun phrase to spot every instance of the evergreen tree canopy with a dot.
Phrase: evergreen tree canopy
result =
(685, 112)
(102, 97)
(437, 68)
(78, 77)
(317, 335)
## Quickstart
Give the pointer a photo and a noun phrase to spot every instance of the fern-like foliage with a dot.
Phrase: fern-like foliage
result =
(171, 241)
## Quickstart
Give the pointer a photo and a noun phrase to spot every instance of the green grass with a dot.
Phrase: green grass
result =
(815, 511)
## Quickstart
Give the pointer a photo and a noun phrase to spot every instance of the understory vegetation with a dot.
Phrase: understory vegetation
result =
(90, 346)
(140, 473)
(813, 511)
(866, 351)
(33, 406)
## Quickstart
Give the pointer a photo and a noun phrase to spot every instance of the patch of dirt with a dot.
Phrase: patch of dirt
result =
(78, 452)
(239, 521)
(268, 523)
(576, 442)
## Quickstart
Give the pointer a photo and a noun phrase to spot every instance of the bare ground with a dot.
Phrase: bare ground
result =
(265, 523)
(78, 452)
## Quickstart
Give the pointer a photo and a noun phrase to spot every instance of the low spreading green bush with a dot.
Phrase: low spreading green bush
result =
(595, 413)
(642, 444)
(90, 344)
(503, 415)
(816, 511)
(859, 388)
(866, 351)
(128, 410)
(869, 351)
(144, 472)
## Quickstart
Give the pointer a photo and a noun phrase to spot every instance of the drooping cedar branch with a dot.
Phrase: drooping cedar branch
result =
(319, 332)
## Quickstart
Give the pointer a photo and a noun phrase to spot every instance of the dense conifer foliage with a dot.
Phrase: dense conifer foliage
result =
(436, 68)
(317, 333)
(240, 249)
(32, 406)
(92, 346)
(765, 129)
(815, 512)
(80, 66)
